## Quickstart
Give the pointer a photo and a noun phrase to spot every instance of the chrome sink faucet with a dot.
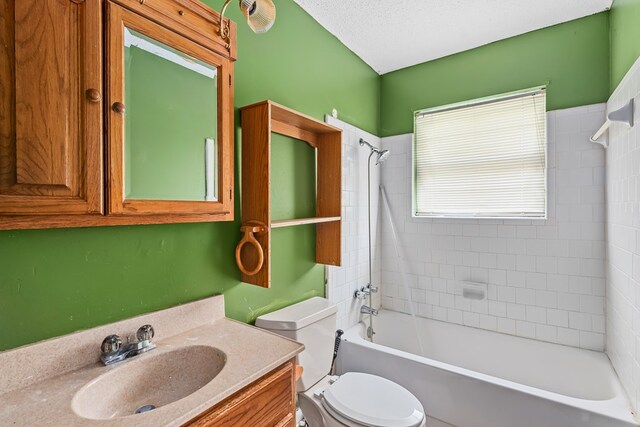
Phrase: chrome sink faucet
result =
(113, 351)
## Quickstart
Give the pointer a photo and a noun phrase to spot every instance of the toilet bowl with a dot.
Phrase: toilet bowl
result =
(357, 399)
(353, 399)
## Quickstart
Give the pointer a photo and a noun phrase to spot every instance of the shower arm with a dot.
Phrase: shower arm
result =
(373, 149)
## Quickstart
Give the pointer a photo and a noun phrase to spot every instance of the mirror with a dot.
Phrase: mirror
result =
(171, 123)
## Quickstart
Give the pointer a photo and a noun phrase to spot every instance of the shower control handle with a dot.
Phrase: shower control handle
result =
(360, 293)
(370, 289)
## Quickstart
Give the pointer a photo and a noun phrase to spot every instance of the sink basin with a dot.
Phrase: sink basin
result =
(149, 381)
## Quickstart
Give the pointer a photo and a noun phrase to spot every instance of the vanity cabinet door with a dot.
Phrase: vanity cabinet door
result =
(50, 107)
(268, 402)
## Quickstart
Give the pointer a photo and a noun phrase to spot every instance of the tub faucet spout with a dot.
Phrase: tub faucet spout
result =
(365, 309)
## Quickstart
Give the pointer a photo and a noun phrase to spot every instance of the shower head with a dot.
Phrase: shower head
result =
(382, 155)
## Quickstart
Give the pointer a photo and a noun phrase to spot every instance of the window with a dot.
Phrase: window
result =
(485, 158)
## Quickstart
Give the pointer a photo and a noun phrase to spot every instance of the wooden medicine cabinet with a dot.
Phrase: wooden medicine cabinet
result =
(253, 253)
(137, 132)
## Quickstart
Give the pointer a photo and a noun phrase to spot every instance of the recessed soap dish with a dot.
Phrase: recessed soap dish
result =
(473, 290)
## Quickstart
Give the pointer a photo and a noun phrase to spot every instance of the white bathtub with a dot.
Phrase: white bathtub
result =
(475, 378)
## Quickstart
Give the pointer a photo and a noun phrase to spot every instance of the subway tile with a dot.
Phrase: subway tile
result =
(568, 337)
(536, 314)
(488, 322)
(506, 326)
(545, 264)
(487, 260)
(598, 323)
(567, 301)
(547, 299)
(546, 333)
(471, 319)
(580, 321)
(580, 285)
(526, 263)
(454, 316)
(498, 308)
(558, 317)
(558, 248)
(591, 304)
(536, 247)
(558, 282)
(440, 313)
(525, 329)
(516, 246)
(506, 294)
(506, 231)
(526, 232)
(536, 280)
(516, 311)
(591, 340)
(498, 277)
(506, 262)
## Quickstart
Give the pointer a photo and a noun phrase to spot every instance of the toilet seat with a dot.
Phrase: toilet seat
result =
(372, 401)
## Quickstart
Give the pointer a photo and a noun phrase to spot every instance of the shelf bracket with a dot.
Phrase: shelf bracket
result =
(622, 115)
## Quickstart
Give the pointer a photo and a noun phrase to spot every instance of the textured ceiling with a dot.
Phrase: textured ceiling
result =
(393, 34)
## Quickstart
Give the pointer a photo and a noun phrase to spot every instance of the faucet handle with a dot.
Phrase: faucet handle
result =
(111, 345)
(145, 333)
(369, 289)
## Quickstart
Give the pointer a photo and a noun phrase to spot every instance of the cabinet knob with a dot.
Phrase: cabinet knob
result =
(118, 107)
(93, 95)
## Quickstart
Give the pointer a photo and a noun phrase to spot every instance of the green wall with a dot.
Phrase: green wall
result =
(56, 281)
(625, 38)
(570, 58)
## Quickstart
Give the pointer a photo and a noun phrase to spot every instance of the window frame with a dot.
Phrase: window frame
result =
(469, 103)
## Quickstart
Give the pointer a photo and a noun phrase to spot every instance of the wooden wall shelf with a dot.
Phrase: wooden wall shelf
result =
(258, 122)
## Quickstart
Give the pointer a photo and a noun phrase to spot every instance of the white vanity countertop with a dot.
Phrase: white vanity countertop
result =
(38, 381)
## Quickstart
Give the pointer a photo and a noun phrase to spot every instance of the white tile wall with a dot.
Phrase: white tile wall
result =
(343, 281)
(545, 278)
(623, 235)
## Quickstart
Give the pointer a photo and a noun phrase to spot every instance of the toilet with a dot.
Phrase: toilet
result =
(353, 399)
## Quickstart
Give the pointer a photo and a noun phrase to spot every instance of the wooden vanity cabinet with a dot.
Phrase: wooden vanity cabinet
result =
(50, 107)
(267, 402)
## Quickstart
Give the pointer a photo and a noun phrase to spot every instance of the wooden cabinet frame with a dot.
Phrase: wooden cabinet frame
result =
(117, 19)
(258, 122)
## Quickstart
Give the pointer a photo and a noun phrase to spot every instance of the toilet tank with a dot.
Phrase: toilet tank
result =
(313, 323)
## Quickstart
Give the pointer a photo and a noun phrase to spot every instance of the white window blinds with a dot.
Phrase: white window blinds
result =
(483, 159)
